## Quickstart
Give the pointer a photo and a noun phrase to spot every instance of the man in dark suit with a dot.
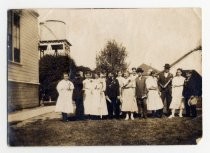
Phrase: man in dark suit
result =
(190, 91)
(112, 96)
(141, 93)
(78, 95)
(165, 86)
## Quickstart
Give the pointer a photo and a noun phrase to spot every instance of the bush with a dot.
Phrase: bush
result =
(51, 69)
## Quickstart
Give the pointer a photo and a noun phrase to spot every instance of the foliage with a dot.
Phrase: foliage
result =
(51, 69)
(83, 69)
(112, 58)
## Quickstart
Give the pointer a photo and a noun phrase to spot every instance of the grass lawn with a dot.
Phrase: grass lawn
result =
(152, 131)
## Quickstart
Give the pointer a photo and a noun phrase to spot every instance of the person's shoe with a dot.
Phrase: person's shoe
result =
(159, 116)
(171, 116)
(117, 117)
(153, 115)
(132, 118)
(66, 120)
(126, 118)
(194, 116)
(145, 116)
(187, 115)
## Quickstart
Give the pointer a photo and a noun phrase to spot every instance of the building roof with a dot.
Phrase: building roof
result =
(55, 21)
(54, 41)
(146, 68)
(185, 55)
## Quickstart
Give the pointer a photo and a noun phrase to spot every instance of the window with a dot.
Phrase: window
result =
(16, 20)
(9, 35)
(17, 55)
(13, 35)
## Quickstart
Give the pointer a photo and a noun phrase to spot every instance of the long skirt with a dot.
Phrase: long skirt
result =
(64, 103)
(129, 103)
(99, 106)
(177, 98)
(154, 101)
(88, 102)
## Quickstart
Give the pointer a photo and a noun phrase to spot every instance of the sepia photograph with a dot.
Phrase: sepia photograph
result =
(104, 76)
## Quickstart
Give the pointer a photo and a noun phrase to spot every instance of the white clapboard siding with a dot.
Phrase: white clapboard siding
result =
(27, 70)
(23, 77)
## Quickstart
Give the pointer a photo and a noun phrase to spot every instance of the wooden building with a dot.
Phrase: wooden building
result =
(53, 39)
(147, 68)
(54, 47)
(23, 56)
(192, 60)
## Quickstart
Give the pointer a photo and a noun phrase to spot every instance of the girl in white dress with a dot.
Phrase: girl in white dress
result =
(154, 101)
(64, 103)
(177, 98)
(120, 80)
(99, 101)
(88, 87)
(129, 104)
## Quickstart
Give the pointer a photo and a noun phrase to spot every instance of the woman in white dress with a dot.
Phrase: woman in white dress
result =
(88, 87)
(120, 80)
(129, 104)
(154, 102)
(177, 98)
(99, 101)
(64, 102)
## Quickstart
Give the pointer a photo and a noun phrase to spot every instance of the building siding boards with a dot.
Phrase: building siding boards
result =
(27, 70)
(23, 77)
(22, 95)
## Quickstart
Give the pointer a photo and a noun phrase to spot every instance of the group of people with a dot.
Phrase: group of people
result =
(127, 94)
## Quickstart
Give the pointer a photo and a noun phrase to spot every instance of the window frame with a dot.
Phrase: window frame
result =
(15, 17)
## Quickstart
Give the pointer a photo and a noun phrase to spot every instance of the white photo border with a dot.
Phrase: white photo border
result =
(204, 5)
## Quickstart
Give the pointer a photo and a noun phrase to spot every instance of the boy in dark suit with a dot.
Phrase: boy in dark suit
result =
(141, 93)
(112, 94)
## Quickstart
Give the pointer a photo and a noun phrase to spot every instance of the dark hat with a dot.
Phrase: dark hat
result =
(189, 71)
(77, 74)
(167, 66)
(96, 72)
(139, 70)
(88, 73)
(153, 72)
(133, 68)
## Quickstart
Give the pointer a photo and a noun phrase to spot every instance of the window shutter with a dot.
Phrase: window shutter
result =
(16, 20)
(16, 55)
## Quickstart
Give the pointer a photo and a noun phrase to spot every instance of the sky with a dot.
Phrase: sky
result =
(151, 36)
